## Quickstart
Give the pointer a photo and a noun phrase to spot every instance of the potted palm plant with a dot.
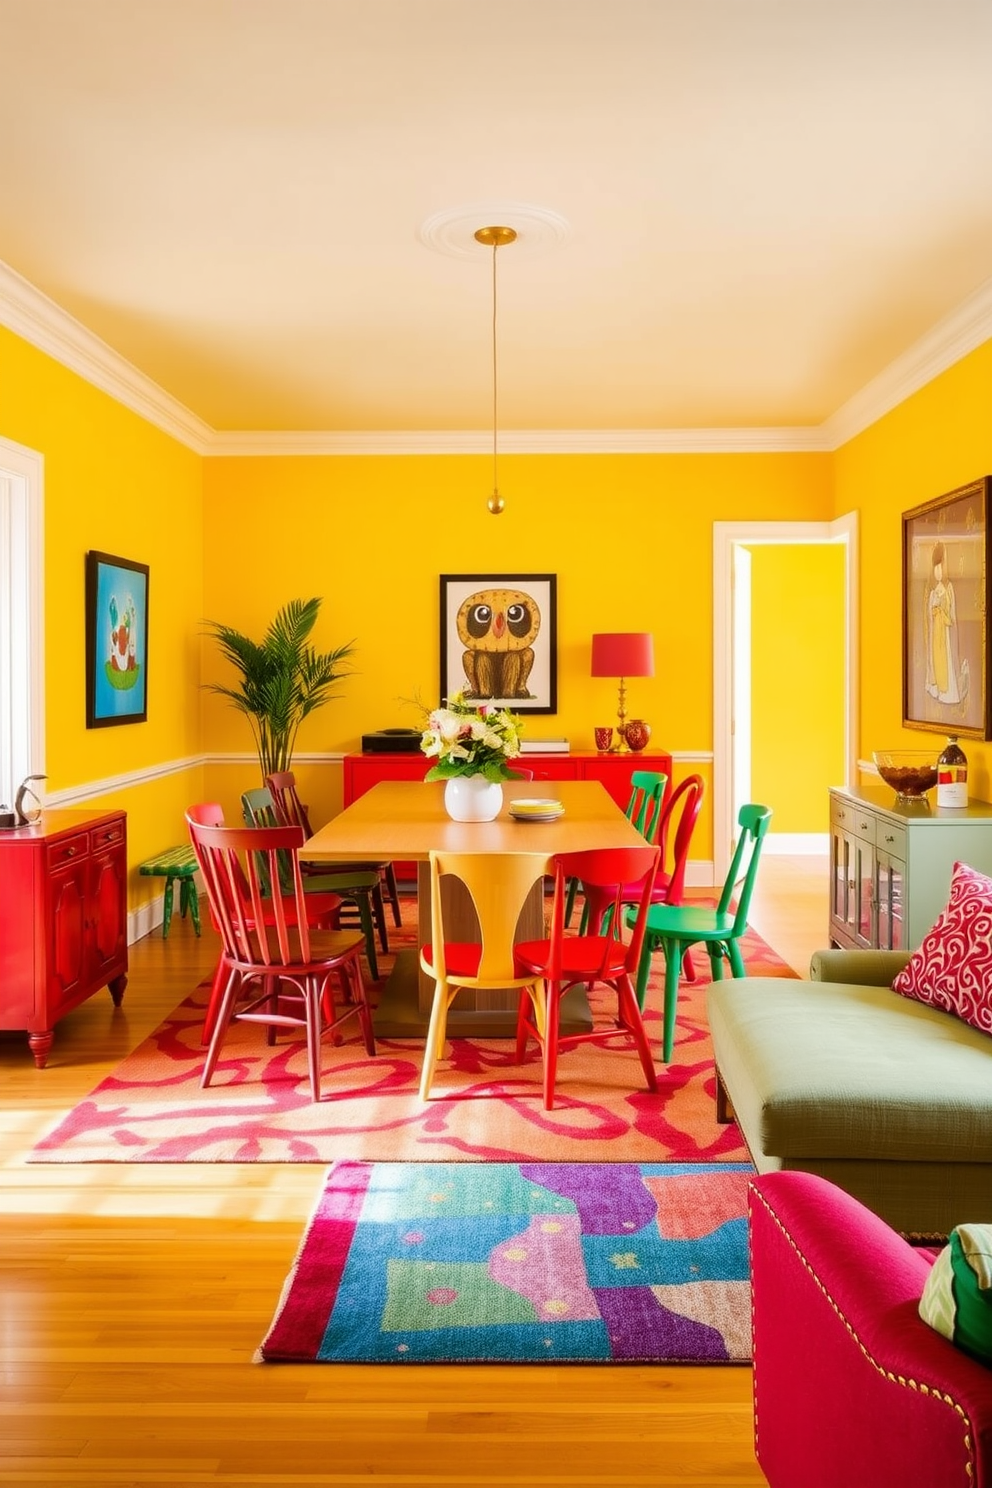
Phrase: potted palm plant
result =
(281, 679)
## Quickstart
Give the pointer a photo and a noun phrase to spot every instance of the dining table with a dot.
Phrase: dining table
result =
(405, 820)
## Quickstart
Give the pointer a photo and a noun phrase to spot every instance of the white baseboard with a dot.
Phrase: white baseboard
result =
(146, 918)
(797, 844)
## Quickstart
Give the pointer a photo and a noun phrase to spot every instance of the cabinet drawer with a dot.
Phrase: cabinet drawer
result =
(68, 849)
(106, 834)
(842, 814)
(891, 838)
(854, 820)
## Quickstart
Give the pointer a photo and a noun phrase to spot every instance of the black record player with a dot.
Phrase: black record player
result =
(392, 741)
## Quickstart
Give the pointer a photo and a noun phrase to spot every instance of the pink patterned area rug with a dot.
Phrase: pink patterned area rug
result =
(484, 1106)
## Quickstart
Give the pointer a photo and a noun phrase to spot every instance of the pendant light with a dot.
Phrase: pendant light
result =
(495, 237)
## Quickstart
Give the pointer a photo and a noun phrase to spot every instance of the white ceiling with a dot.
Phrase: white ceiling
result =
(754, 205)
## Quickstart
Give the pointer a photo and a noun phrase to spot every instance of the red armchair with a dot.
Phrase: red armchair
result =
(851, 1388)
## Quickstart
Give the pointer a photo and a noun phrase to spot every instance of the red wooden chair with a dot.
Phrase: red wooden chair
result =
(267, 945)
(291, 810)
(322, 911)
(565, 961)
(681, 809)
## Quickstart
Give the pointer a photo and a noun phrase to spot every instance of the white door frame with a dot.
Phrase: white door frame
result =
(22, 617)
(727, 536)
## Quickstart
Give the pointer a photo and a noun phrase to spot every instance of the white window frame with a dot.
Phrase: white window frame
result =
(22, 617)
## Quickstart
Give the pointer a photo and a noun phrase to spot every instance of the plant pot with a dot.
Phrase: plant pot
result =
(473, 798)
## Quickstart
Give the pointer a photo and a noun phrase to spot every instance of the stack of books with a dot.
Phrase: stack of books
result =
(544, 746)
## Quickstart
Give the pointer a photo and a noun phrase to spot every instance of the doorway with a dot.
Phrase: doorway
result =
(732, 673)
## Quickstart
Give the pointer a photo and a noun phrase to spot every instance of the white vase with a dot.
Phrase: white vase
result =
(472, 798)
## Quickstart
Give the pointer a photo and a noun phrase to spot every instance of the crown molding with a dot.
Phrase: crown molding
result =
(963, 330)
(44, 324)
(260, 442)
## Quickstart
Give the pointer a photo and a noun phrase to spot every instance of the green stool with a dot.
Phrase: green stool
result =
(176, 862)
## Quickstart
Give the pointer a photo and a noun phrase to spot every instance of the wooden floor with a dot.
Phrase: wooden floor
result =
(133, 1297)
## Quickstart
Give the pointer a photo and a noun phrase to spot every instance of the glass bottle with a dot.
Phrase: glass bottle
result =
(952, 775)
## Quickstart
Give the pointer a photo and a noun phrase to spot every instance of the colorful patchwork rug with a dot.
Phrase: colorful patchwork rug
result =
(484, 1105)
(514, 1263)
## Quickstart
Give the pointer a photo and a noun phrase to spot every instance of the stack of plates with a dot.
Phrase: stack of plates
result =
(533, 808)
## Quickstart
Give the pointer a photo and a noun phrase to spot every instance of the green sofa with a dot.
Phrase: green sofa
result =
(841, 1076)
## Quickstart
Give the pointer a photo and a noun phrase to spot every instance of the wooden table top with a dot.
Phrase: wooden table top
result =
(405, 820)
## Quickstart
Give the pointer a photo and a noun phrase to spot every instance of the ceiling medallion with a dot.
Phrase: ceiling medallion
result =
(453, 232)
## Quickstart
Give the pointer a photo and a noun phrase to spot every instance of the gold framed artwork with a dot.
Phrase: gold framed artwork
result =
(945, 596)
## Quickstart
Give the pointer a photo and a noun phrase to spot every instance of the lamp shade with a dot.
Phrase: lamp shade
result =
(627, 653)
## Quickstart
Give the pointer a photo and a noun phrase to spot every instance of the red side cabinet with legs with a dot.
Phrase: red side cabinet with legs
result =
(63, 919)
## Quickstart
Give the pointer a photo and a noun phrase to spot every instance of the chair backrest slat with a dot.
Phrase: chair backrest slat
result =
(236, 863)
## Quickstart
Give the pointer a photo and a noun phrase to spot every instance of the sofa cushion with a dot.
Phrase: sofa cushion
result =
(831, 1070)
(952, 969)
(957, 1295)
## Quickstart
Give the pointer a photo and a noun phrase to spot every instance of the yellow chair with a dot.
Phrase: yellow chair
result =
(498, 885)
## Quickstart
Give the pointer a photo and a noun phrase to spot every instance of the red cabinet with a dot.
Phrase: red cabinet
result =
(63, 919)
(362, 771)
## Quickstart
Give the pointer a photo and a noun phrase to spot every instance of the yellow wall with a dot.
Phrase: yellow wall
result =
(937, 440)
(113, 482)
(630, 538)
(797, 681)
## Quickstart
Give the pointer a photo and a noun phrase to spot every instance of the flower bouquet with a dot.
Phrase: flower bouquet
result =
(468, 740)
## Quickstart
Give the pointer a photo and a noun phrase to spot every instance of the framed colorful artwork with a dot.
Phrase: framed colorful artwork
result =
(945, 596)
(499, 640)
(116, 641)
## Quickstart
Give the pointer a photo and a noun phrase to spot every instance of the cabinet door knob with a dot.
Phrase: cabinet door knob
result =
(70, 852)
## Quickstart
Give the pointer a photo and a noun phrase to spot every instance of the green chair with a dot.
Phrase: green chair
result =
(360, 887)
(676, 927)
(643, 809)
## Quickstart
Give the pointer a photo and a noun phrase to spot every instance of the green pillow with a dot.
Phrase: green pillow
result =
(957, 1298)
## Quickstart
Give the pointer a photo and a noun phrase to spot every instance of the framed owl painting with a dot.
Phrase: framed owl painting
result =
(499, 640)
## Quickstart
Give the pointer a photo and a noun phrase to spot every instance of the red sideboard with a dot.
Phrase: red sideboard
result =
(63, 919)
(363, 771)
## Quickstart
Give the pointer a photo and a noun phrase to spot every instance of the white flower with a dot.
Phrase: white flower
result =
(468, 740)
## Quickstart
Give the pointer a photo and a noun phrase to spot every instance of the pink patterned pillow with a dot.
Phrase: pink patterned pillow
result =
(952, 969)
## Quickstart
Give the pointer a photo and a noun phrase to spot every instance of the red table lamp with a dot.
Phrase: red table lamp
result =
(623, 654)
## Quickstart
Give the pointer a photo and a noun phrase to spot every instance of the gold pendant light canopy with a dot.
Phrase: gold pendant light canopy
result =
(494, 238)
